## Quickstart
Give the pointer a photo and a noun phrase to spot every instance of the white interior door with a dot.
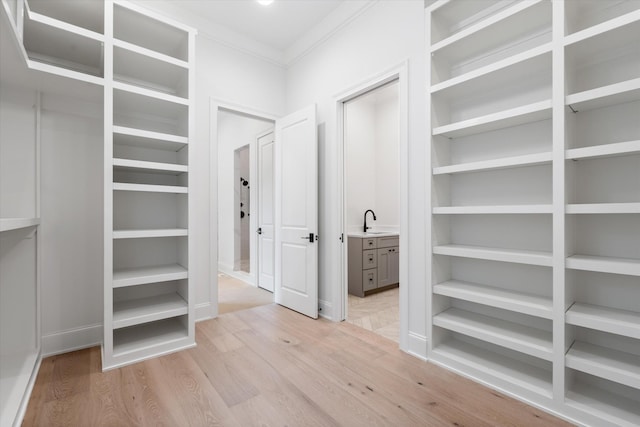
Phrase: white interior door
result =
(266, 212)
(296, 212)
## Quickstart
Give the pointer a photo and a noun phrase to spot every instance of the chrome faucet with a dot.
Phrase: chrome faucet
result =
(365, 219)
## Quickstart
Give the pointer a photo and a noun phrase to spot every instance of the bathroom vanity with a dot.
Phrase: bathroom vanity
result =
(373, 260)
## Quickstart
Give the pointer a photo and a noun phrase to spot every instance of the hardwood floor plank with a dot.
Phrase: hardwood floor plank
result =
(269, 366)
(232, 387)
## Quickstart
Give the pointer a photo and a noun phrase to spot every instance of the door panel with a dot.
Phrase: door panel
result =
(296, 212)
(266, 212)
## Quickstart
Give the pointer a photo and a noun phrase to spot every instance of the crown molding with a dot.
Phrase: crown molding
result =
(338, 19)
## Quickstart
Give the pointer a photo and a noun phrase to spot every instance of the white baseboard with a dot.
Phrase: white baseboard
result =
(236, 274)
(417, 345)
(204, 312)
(325, 309)
(71, 340)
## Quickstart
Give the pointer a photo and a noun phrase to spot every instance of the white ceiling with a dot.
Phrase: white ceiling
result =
(280, 32)
(278, 25)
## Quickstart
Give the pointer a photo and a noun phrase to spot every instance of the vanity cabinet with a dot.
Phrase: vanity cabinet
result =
(373, 264)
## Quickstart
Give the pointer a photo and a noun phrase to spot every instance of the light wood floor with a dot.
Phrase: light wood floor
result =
(269, 366)
(379, 313)
(234, 295)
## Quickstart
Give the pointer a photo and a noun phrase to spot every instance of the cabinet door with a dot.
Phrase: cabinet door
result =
(388, 266)
(394, 266)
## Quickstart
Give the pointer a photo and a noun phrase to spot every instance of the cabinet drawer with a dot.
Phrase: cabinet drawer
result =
(369, 259)
(388, 242)
(369, 244)
(369, 279)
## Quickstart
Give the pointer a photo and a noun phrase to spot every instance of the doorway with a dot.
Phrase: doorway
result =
(372, 208)
(238, 181)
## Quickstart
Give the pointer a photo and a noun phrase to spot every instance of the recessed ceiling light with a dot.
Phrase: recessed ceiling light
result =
(265, 2)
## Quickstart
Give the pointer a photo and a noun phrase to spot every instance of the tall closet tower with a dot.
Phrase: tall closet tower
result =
(140, 67)
(535, 200)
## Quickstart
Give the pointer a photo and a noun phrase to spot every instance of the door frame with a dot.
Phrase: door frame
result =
(340, 289)
(216, 105)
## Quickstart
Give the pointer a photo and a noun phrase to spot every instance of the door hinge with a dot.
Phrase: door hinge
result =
(341, 238)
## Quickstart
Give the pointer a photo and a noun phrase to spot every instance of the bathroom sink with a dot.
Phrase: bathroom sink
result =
(376, 232)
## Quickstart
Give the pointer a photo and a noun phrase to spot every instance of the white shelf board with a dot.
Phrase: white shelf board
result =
(121, 186)
(616, 409)
(147, 139)
(17, 371)
(66, 73)
(144, 275)
(150, 53)
(618, 366)
(494, 254)
(87, 14)
(141, 234)
(494, 209)
(61, 25)
(144, 337)
(161, 96)
(144, 166)
(489, 27)
(612, 320)
(503, 163)
(604, 150)
(132, 101)
(602, 28)
(502, 119)
(603, 208)
(148, 72)
(139, 26)
(495, 364)
(617, 93)
(496, 297)
(8, 224)
(524, 339)
(143, 310)
(518, 67)
(59, 46)
(627, 266)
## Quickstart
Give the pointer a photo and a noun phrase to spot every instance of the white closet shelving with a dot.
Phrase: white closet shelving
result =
(142, 66)
(20, 348)
(148, 100)
(535, 200)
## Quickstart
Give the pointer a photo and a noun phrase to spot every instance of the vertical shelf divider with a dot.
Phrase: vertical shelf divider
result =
(107, 344)
(560, 346)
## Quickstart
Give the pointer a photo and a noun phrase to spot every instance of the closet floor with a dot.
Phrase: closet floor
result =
(234, 295)
(270, 366)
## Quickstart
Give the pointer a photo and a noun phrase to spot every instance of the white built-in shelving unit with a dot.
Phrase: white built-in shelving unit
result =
(141, 65)
(20, 348)
(149, 70)
(535, 200)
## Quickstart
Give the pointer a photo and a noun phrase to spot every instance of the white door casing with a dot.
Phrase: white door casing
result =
(266, 211)
(296, 212)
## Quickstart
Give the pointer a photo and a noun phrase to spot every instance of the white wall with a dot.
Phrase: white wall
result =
(236, 78)
(71, 223)
(360, 131)
(372, 159)
(234, 131)
(384, 36)
(387, 149)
